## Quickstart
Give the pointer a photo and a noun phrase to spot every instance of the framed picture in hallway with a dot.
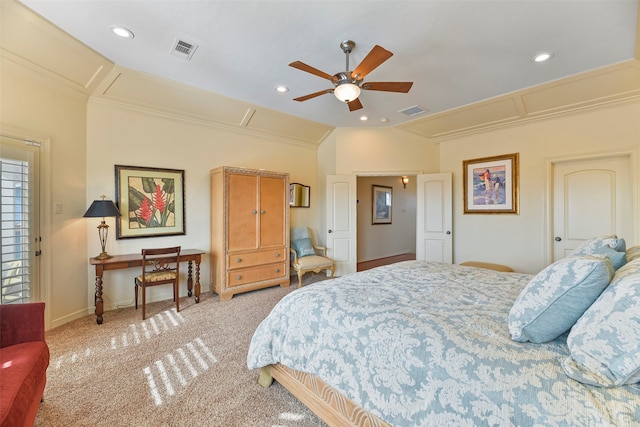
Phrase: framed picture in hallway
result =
(151, 201)
(381, 204)
(491, 185)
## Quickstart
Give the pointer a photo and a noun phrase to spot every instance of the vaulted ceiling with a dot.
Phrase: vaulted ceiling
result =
(457, 53)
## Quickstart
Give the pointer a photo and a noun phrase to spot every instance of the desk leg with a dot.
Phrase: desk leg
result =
(189, 279)
(198, 280)
(98, 299)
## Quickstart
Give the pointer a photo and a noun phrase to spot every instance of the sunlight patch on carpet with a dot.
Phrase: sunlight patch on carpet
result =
(290, 416)
(148, 328)
(72, 358)
(166, 376)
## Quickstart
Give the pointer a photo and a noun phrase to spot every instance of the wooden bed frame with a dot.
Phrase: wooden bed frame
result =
(325, 401)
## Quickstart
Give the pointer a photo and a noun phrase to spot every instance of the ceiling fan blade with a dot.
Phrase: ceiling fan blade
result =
(373, 59)
(355, 105)
(309, 69)
(312, 95)
(388, 86)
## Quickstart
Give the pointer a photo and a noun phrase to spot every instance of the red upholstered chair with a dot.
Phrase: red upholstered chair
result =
(160, 266)
(24, 358)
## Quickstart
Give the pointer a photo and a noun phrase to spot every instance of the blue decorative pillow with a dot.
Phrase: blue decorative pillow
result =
(557, 296)
(604, 342)
(590, 246)
(303, 247)
(611, 246)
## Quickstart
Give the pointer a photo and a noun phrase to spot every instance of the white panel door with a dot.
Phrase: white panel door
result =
(591, 198)
(434, 241)
(341, 222)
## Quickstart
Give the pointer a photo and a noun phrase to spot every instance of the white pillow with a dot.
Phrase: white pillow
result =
(605, 342)
(557, 296)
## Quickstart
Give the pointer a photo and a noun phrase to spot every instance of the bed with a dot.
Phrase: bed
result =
(426, 344)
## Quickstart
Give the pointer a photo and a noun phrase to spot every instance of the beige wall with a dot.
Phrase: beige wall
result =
(122, 135)
(521, 241)
(384, 151)
(43, 109)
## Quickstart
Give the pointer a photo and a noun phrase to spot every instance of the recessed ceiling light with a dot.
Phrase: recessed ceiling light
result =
(282, 89)
(384, 120)
(121, 32)
(542, 57)
(364, 118)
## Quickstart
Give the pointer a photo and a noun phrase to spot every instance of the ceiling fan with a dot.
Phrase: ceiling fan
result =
(348, 84)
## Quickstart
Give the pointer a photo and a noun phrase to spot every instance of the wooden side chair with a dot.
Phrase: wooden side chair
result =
(305, 256)
(160, 266)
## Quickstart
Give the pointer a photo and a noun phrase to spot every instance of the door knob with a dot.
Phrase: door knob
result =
(263, 211)
(558, 239)
(254, 211)
(448, 232)
(330, 231)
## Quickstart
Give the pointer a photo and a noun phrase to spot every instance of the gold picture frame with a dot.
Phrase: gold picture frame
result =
(491, 185)
(151, 201)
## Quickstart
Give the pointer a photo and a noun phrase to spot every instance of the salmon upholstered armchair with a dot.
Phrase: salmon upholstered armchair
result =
(24, 358)
(305, 256)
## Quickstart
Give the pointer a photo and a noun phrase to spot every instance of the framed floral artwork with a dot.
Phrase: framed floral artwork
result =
(491, 185)
(151, 201)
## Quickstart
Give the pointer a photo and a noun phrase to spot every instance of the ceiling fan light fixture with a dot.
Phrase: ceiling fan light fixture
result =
(347, 92)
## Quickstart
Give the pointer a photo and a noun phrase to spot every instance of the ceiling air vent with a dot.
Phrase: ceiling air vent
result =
(183, 49)
(412, 111)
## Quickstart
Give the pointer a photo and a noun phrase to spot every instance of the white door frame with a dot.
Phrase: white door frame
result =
(45, 212)
(356, 174)
(632, 155)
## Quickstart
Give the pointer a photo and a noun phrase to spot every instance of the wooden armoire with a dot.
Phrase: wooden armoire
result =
(249, 230)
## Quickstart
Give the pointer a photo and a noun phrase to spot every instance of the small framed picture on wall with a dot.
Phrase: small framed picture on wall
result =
(382, 204)
(491, 185)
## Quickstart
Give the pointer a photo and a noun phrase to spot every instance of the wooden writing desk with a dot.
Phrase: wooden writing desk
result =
(118, 262)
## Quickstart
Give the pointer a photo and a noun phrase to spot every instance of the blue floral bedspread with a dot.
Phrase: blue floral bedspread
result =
(427, 344)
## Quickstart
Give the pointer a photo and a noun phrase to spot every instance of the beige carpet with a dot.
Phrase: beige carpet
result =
(173, 369)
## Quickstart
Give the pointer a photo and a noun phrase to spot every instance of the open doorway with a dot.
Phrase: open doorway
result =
(388, 241)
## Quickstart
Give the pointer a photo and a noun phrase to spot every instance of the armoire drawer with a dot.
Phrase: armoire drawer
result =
(256, 274)
(249, 259)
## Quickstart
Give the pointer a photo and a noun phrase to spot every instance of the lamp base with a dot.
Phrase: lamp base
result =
(103, 255)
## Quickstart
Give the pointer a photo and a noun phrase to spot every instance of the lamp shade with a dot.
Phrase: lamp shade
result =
(346, 92)
(101, 208)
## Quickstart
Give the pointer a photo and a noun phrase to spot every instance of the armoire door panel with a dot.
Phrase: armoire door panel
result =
(242, 212)
(272, 210)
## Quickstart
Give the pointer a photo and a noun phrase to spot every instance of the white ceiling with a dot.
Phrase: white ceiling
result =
(456, 52)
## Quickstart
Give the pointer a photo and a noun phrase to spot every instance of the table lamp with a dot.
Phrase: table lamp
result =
(102, 208)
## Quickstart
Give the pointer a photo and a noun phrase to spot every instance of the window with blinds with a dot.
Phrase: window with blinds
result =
(17, 237)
